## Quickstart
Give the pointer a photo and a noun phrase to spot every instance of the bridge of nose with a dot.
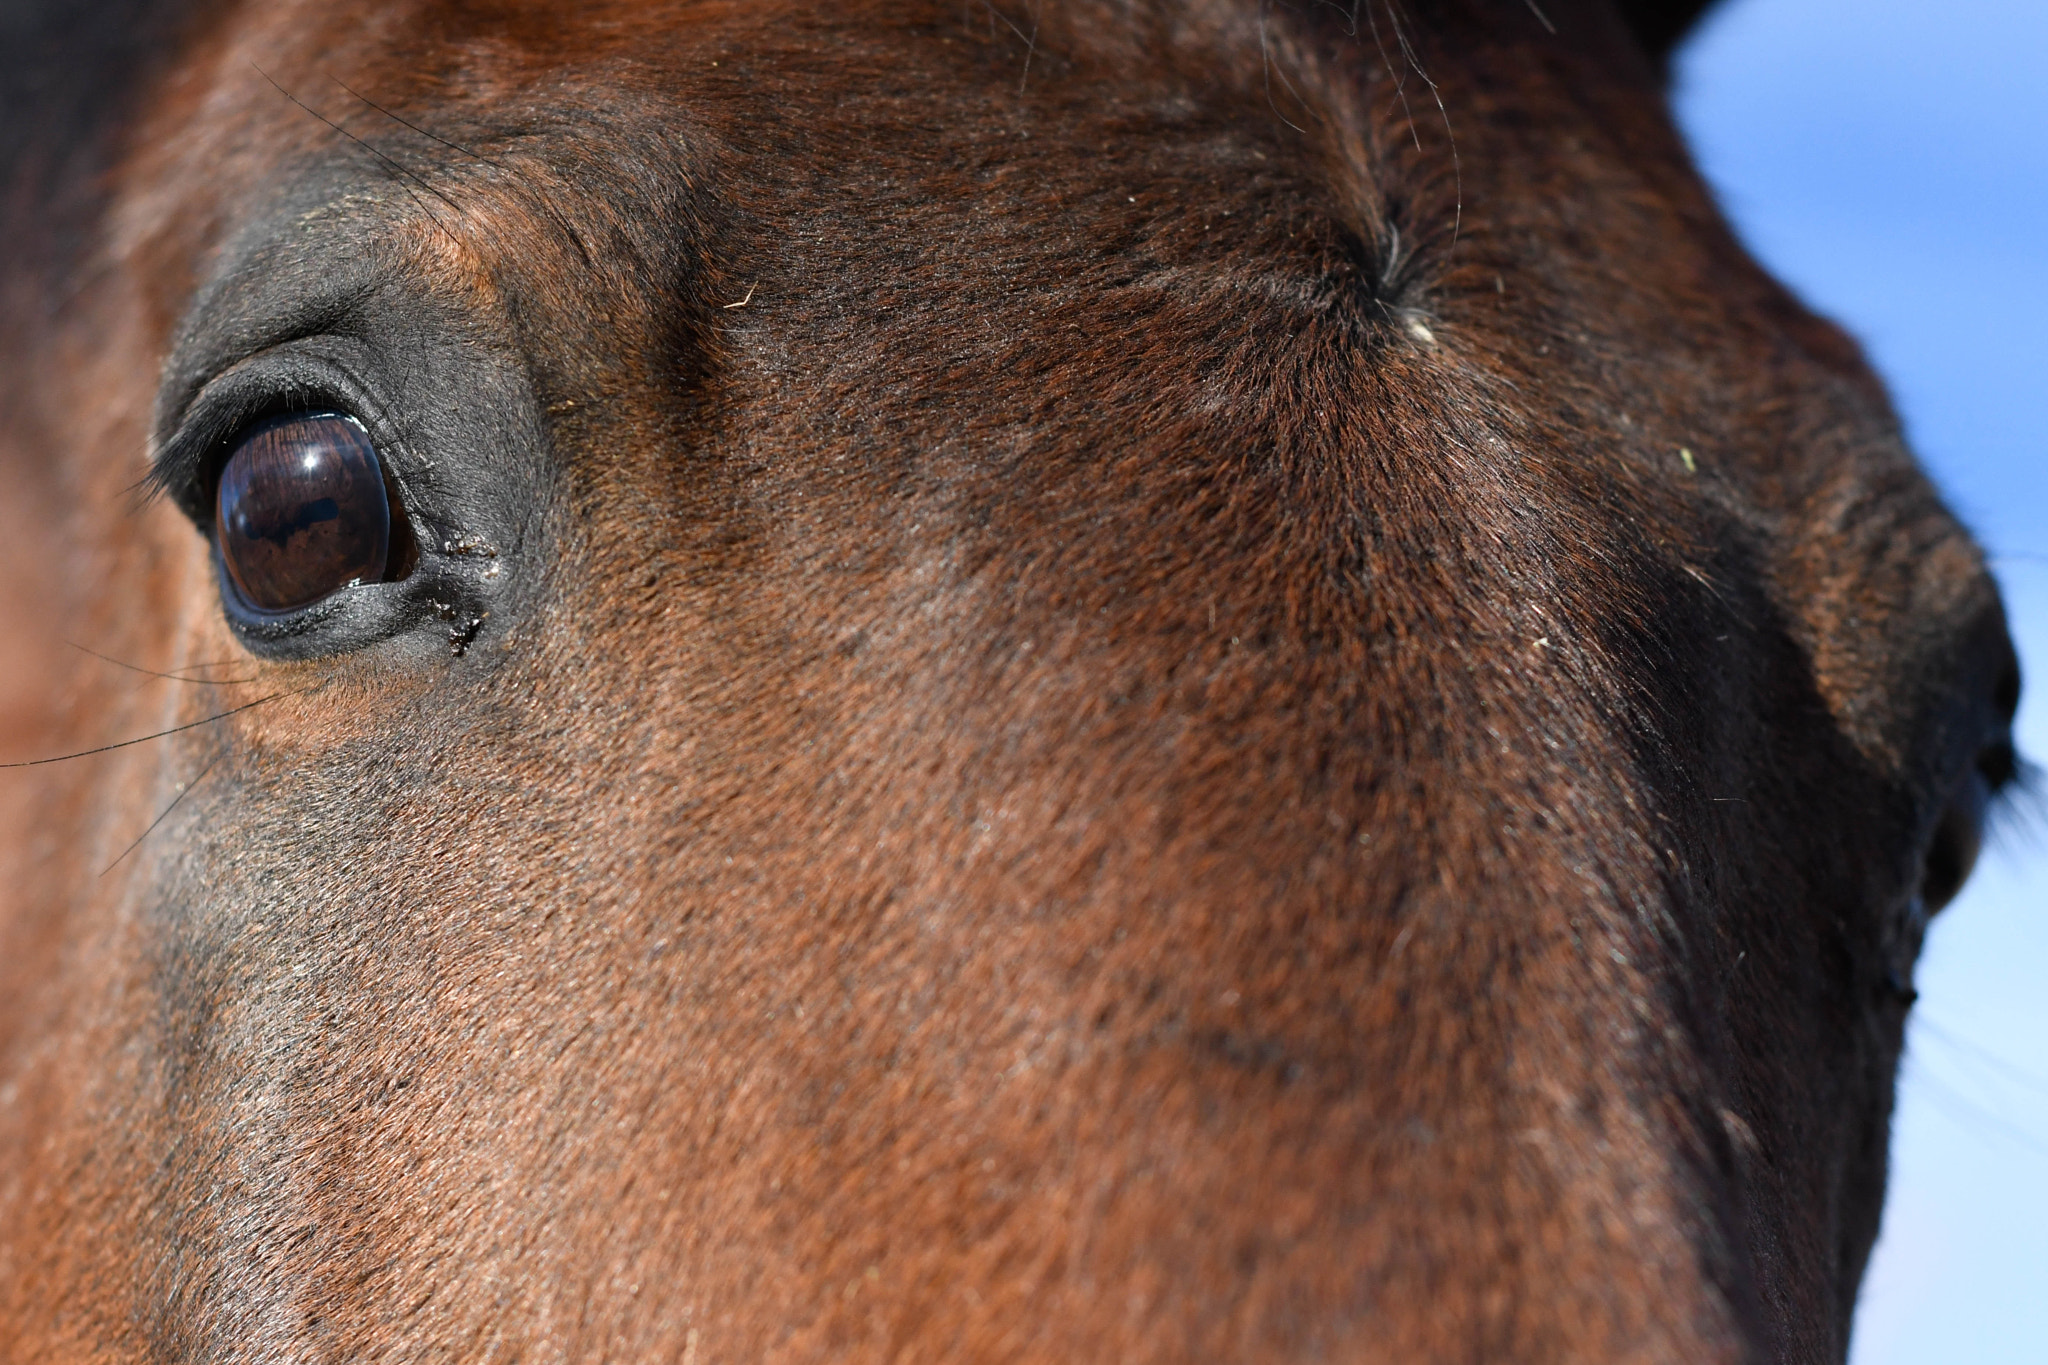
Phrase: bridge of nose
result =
(1092, 669)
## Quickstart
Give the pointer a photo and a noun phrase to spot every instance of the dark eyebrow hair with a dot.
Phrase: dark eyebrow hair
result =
(390, 162)
(542, 200)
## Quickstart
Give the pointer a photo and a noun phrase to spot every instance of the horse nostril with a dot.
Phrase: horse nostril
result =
(302, 511)
(1957, 842)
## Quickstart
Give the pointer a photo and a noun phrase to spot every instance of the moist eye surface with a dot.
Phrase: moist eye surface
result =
(302, 511)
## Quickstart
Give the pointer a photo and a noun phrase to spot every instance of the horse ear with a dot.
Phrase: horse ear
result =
(1660, 24)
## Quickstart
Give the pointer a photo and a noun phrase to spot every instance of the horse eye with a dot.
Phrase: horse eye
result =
(1956, 843)
(302, 511)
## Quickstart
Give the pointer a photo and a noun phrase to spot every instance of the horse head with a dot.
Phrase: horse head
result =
(1161, 681)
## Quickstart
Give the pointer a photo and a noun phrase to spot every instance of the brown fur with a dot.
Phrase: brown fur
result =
(1112, 726)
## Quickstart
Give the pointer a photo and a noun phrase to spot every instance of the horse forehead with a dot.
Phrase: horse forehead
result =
(903, 124)
(854, 135)
(810, 72)
(893, 174)
(901, 167)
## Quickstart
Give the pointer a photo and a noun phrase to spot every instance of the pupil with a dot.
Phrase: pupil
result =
(302, 511)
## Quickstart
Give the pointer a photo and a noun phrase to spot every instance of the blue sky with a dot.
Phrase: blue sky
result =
(1889, 159)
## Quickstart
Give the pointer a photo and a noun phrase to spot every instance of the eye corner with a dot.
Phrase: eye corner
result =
(178, 474)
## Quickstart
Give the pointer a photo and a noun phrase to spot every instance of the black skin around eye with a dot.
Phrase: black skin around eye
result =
(302, 511)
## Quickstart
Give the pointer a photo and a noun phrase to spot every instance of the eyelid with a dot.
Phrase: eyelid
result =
(298, 376)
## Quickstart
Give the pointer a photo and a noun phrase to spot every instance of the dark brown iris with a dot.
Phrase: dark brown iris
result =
(302, 511)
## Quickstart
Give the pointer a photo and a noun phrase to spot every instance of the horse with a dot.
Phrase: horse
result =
(1148, 681)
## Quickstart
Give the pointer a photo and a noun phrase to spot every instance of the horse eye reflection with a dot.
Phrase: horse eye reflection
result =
(302, 511)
